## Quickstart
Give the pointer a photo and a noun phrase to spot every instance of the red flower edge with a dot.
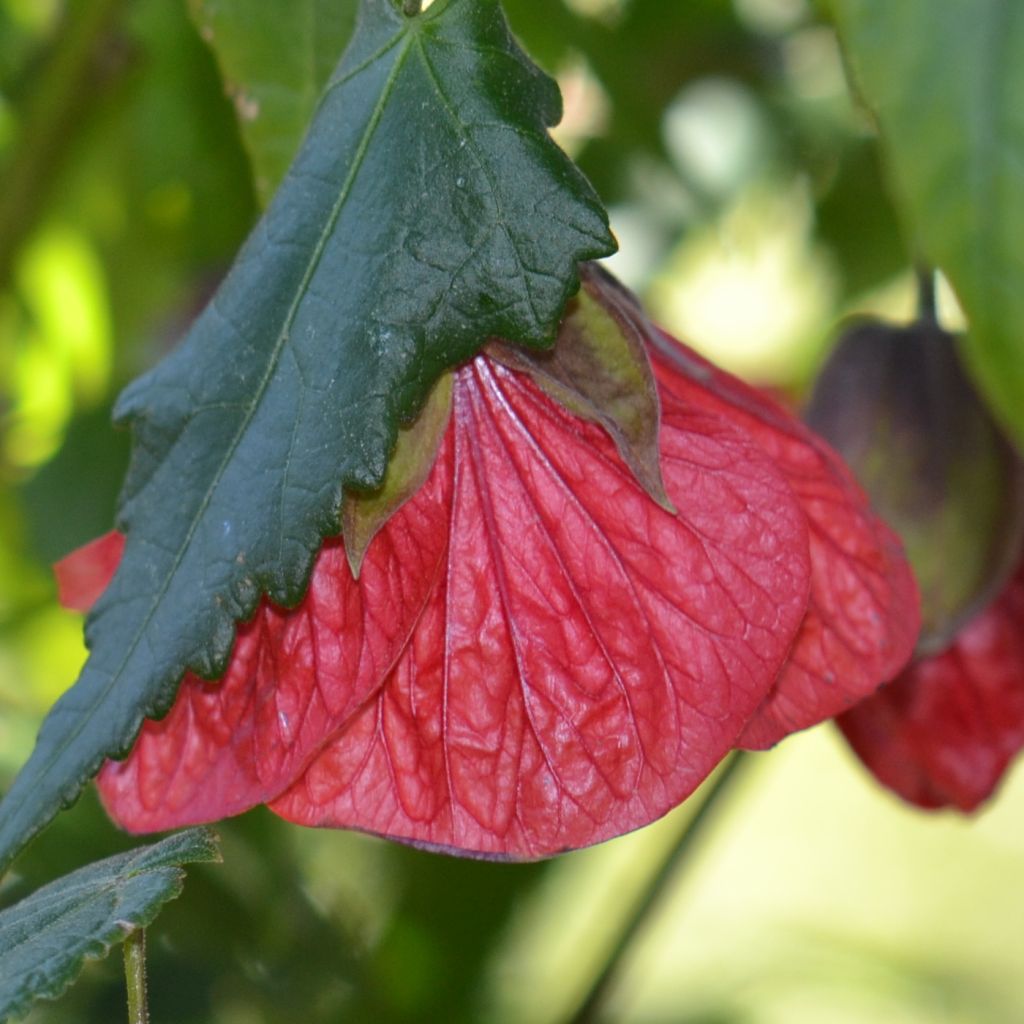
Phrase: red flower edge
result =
(84, 574)
(863, 615)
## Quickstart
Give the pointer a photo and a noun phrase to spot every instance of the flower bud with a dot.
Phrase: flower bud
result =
(898, 406)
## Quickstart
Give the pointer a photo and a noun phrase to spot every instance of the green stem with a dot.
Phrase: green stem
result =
(135, 976)
(412, 7)
(927, 305)
(590, 1008)
(58, 97)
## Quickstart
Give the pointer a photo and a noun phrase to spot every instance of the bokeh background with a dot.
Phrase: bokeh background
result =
(747, 191)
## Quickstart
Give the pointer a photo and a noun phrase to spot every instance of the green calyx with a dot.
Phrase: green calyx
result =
(599, 370)
(363, 515)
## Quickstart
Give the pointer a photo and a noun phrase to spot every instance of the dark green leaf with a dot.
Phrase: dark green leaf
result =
(427, 211)
(46, 938)
(945, 81)
(276, 59)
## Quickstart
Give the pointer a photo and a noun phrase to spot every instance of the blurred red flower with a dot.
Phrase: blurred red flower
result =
(944, 732)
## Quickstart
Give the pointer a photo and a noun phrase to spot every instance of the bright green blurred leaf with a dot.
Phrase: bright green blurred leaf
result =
(276, 59)
(63, 346)
(945, 81)
(46, 938)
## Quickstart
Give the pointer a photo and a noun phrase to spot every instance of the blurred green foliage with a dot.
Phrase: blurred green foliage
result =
(954, 134)
(275, 61)
(747, 191)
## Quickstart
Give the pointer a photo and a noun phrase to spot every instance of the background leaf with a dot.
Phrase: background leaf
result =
(428, 187)
(45, 939)
(944, 81)
(276, 59)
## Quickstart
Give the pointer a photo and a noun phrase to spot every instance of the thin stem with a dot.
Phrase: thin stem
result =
(590, 1009)
(56, 103)
(135, 976)
(927, 305)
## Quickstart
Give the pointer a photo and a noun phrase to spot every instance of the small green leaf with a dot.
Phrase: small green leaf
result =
(427, 211)
(46, 938)
(945, 82)
(275, 59)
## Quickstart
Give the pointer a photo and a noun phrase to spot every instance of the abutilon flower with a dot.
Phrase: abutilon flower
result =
(589, 575)
(897, 404)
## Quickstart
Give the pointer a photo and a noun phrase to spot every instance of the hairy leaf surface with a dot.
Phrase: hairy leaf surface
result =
(944, 81)
(588, 657)
(944, 732)
(427, 210)
(46, 938)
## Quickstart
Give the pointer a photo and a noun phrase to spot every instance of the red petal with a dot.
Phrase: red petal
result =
(863, 618)
(84, 574)
(294, 678)
(588, 658)
(943, 733)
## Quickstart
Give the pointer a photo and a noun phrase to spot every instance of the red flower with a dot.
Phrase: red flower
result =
(946, 730)
(541, 651)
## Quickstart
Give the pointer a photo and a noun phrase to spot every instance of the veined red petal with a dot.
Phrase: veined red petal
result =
(294, 678)
(587, 658)
(864, 613)
(84, 574)
(943, 733)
